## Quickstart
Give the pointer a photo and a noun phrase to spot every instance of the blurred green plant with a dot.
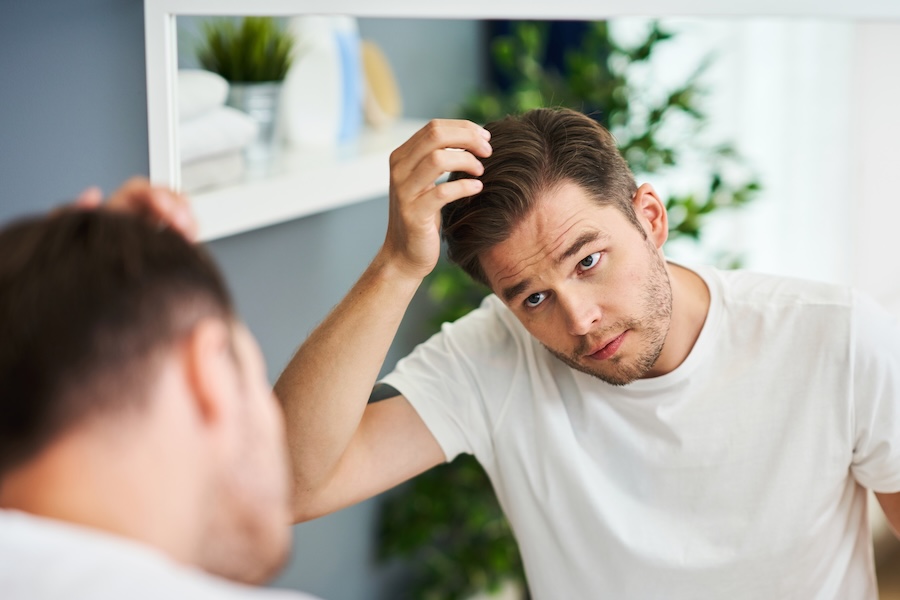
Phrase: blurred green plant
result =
(251, 50)
(448, 525)
(596, 81)
(447, 522)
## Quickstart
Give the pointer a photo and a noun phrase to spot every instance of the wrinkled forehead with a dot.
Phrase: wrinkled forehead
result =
(556, 229)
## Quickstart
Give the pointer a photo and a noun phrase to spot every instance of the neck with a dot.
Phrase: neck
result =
(690, 305)
(112, 485)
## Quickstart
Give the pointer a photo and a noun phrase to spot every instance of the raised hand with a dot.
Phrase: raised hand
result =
(158, 204)
(412, 243)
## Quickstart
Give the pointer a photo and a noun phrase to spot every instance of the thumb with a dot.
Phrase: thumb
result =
(91, 197)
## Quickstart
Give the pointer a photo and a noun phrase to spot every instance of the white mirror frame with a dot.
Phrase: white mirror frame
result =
(162, 55)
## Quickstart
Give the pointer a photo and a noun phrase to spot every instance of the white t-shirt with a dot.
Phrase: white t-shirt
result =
(45, 559)
(737, 475)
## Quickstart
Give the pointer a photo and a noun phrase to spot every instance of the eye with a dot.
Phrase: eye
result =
(589, 262)
(534, 299)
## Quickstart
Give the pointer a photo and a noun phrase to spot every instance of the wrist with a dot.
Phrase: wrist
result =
(398, 267)
(395, 271)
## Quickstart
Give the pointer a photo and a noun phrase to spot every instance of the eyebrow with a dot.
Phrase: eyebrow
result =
(514, 290)
(584, 239)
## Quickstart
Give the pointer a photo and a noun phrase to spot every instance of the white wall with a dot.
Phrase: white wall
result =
(812, 105)
(780, 90)
(875, 168)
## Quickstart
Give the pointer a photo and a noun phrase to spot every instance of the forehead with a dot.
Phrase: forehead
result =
(562, 219)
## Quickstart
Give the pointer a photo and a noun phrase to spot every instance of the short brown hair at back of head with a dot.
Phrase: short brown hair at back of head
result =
(533, 153)
(89, 301)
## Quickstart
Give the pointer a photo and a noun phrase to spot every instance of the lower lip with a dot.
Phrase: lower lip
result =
(609, 349)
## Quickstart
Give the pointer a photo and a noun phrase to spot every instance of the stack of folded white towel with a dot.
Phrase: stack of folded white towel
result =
(211, 135)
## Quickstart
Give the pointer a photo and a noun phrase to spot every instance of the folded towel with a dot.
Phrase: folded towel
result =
(221, 130)
(199, 91)
(212, 171)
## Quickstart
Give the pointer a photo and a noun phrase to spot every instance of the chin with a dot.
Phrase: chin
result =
(258, 562)
(617, 378)
(272, 553)
(247, 546)
(617, 373)
(268, 570)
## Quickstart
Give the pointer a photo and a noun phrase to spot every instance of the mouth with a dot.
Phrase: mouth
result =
(607, 349)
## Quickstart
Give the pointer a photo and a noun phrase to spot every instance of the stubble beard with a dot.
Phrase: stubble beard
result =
(652, 325)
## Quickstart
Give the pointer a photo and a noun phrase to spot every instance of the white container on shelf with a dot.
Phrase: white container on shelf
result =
(311, 96)
(322, 95)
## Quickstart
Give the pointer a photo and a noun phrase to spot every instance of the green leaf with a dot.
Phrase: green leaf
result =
(256, 51)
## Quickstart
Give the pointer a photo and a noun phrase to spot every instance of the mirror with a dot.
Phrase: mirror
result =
(806, 102)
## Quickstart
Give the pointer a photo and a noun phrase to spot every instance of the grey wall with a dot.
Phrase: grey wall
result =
(437, 62)
(72, 99)
(73, 113)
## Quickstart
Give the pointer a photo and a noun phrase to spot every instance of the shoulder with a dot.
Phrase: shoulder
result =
(749, 288)
(823, 311)
(875, 331)
(491, 325)
(39, 557)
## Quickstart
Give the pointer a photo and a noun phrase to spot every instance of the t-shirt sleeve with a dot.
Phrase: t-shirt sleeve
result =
(876, 403)
(457, 379)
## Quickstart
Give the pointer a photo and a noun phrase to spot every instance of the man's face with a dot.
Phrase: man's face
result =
(250, 531)
(587, 284)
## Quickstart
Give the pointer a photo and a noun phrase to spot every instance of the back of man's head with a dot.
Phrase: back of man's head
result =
(532, 154)
(89, 303)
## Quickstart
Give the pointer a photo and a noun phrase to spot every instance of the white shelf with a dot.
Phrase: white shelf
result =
(315, 182)
(307, 181)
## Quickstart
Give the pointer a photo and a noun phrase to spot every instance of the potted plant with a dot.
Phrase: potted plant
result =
(447, 524)
(254, 55)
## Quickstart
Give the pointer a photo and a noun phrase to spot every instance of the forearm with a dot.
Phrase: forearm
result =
(325, 387)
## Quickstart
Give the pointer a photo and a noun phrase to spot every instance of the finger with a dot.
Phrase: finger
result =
(447, 133)
(436, 164)
(130, 194)
(169, 208)
(450, 191)
(185, 221)
(440, 134)
(88, 199)
(449, 125)
(159, 204)
(91, 197)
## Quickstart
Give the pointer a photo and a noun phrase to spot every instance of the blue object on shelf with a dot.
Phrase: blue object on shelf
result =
(348, 41)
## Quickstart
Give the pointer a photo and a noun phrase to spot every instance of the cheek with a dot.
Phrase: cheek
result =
(277, 436)
(549, 329)
(629, 280)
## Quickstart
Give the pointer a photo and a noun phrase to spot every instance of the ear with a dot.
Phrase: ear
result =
(651, 213)
(210, 368)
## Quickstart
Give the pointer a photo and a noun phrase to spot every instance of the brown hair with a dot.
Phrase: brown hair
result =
(88, 302)
(533, 153)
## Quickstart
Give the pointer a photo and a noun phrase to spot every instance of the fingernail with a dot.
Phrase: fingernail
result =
(485, 133)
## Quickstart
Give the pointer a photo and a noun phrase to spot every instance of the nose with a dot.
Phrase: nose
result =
(581, 312)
